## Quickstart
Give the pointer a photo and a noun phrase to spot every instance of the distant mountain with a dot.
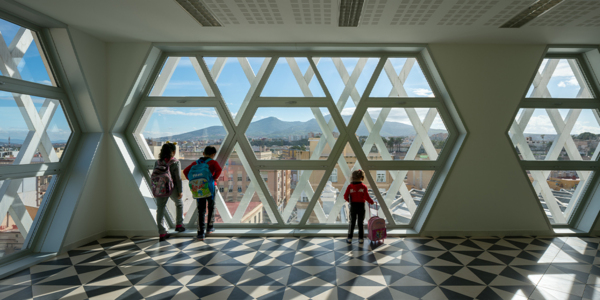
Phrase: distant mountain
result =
(273, 127)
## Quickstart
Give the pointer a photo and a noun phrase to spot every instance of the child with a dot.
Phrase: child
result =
(215, 171)
(167, 157)
(356, 194)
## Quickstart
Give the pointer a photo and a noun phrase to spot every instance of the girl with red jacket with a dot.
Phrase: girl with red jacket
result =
(356, 194)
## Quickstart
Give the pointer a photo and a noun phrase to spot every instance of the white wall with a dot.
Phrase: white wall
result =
(89, 219)
(487, 192)
(127, 211)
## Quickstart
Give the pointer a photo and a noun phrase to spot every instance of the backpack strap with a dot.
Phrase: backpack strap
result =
(199, 161)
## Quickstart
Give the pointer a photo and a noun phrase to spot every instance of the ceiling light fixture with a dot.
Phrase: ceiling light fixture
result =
(350, 12)
(198, 11)
(537, 9)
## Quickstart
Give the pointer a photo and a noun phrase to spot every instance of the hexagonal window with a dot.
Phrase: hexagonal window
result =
(402, 134)
(27, 60)
(346, 79)
(534, 134)
(21, 117)
(292, 77)
(292, 133)
(181, 77)
(559, 78)
(559, 191)
(193, 128)
(237, 79)
(402, 77)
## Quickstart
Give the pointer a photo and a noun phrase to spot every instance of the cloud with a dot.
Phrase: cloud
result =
(192, 112)
(540, 125)
(348, 111)
(572, 81)
(421, 92)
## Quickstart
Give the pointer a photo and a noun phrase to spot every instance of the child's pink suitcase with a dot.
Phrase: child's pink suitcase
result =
(376, 227)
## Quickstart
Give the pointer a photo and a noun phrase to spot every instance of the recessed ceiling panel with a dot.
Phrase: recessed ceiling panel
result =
(567, 13)
(314, 12)
(222, 11)
(512, 9)
(467, 12)
(415, 12)
(258, 12)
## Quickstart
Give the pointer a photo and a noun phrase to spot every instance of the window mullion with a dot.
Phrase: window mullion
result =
(14, 85)
(30, 170)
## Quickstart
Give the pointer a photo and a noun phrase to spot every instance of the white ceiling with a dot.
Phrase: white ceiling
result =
(303, 21)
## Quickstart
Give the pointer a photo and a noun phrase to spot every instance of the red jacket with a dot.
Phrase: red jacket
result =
(358, 192)
(213, 166)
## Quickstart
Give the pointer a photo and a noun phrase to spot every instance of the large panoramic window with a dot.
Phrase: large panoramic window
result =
(34, 129)
(291, 130)
(556, 134)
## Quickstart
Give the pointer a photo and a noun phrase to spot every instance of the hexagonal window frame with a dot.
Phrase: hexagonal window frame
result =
(45, 174)
(236, 132)
(559, 213)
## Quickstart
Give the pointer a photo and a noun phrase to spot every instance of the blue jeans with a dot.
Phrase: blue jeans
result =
(202, 208)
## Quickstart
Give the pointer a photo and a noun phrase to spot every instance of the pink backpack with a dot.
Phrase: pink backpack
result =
(376, 228)
(161, 181)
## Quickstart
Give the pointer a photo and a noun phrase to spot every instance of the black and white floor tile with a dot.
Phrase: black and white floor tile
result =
(317, 268)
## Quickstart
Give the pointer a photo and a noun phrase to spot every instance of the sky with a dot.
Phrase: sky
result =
(31, 68)
(234, 86)
(563, 84)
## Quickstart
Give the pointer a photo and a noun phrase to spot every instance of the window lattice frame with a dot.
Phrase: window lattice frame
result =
(237, 125)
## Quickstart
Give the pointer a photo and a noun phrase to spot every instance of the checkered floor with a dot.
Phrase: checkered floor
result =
(316, 268)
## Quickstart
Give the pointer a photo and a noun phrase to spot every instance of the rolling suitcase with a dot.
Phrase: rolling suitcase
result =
(376, 227)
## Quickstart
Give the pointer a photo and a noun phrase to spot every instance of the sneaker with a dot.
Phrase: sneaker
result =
(361, 241)
(163, 237)
(200, 236)
(179, 228)
(349, 241)
(211, 230)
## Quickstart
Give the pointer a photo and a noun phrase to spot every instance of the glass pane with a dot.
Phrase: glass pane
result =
(19, 209)
(193, 128)
(334, 208)
(285, 133)
(290, 79)
(236, 192)
(293, 190)
(27, 60)
(345, 82)
(181, 76)
(403, 191)
(235, 77)
(539, 140)
(402, 134)
(559, 78)
(559, 191)
(408, 79)
(21, 116)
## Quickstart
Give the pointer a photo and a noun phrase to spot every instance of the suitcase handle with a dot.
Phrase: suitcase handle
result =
(376, 207)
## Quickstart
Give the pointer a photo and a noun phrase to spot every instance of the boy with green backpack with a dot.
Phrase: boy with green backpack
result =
(203, 175)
